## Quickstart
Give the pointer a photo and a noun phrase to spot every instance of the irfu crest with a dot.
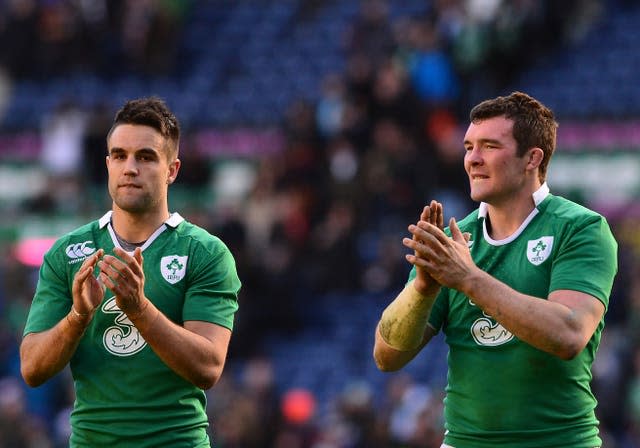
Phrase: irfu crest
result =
(173, 268)
(538, 250)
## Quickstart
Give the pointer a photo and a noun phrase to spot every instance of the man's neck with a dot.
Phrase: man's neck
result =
(505, 218)
(134, 227)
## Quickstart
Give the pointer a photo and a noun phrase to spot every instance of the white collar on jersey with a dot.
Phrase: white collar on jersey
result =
(173, 220)
(538, 196)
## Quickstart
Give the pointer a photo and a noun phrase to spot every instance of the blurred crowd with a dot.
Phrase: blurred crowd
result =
(110, 37)
(323, 215)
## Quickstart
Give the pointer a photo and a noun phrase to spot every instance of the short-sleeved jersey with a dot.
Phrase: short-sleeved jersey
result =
(500, 390)
(125, 395)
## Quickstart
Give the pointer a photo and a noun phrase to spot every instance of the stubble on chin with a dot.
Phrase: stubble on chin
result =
(129, 204)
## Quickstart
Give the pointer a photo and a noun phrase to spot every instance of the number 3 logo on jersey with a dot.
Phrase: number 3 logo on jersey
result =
(122, 338)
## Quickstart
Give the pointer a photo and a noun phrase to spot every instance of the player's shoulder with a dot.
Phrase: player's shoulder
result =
(466, 224)
(563, 209)
(199, 238)
(78, 242)
(470, 220)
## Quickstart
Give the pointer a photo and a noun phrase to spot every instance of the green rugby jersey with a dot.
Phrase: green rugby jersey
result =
(502, 391)
(125, 395)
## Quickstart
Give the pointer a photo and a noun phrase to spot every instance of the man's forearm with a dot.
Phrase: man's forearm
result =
(192, 356)
(545, 324)
(44, 354)
(404, 321)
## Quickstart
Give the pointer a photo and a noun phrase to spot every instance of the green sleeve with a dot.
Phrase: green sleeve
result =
(587, 260)
(212, 294)
(52, 300)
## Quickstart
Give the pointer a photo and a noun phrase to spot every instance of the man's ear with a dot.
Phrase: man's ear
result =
(536, 155)
(174, 167)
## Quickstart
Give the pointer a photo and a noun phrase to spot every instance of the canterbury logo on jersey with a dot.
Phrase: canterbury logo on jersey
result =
(79, 251)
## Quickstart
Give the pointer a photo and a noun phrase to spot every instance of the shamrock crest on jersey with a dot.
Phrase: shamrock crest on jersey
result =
(173, 268)
(539, 249)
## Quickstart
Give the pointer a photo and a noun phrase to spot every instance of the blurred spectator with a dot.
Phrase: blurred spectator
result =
(63, 132)
(633, 398)
(62, 136)
(334, 240)
(370, 33)
(246, 415)
(451, 182)
(61, 44)
(150, 31)
(394, 98)
(94, 145)
(18, 25)
(331, 105)
(430, 68)
(17, 427)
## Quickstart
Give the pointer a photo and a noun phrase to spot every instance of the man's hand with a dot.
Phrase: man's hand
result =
(424, 283)
(87, 290)
(124, 276)
(447, 260)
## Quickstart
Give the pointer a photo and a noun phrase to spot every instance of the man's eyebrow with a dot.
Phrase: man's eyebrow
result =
(147, 151)
(484, 141)
(143, 151)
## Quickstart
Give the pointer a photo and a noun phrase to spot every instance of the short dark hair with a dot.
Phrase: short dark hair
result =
(152, 112)
(534, 125)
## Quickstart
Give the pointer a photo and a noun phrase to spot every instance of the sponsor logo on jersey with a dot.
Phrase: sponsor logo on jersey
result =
(173, 268)
(122, 338)
(489, 333)
(538, 250)
(79, 251)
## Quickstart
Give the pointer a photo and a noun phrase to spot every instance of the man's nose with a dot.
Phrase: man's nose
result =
(474, 156)
(131, 166)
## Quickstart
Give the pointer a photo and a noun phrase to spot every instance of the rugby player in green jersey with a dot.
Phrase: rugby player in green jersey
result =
(140, 303)
(519, 288)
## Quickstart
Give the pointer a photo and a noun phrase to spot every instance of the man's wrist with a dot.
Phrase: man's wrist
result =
(472, 282)
(135, 315)
(145, 317)
(78, 321)
(425, 290)
(76, 314)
